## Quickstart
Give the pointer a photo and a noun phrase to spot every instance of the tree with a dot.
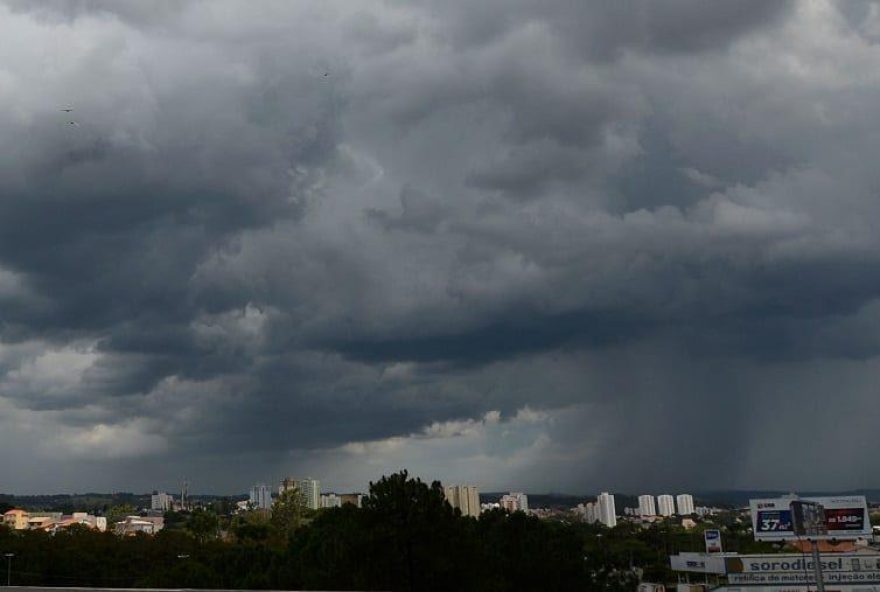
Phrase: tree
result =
(203, 524)
(287, 512)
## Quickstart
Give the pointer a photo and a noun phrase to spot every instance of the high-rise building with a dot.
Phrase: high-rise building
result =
(646, 506)
(309, 489)
(685, 503)
(515, 502)
(261, 496)
(161, 501)
(465, 498)
(607, 514)
(665, 505)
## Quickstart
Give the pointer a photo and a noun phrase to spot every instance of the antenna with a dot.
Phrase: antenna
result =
(184, 493)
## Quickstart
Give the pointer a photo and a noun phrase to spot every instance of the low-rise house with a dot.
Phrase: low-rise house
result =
(133, 525)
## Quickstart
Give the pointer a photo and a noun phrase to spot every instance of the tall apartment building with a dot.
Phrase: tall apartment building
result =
(646, 506)
(310, 489)
(665, 505)
(161, 501)
(261, 496)
(685, 503)
(330, 500)
(464, 497)
(606, 510)
(515, 501)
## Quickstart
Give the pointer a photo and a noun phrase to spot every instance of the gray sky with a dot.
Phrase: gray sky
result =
(553, 246)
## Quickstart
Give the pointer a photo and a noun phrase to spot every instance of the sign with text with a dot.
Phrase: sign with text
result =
(697, 563)
(844, 517)
(802, 588)
(713, 541)
(784, 569)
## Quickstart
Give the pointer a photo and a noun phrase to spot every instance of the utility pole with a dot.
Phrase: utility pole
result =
(817, 566)
(9, 557)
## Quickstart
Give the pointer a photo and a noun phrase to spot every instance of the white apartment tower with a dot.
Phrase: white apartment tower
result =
(309, 489)
(665, 505)
(261, 496)
(685, 503)
(161, 501)
(515, 501)
(607, 512)
(464, 497)
(646, 506)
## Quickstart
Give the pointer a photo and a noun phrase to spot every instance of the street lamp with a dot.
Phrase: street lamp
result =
(9, 557)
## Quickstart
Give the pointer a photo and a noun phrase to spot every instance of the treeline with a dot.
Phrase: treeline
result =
(406, 537)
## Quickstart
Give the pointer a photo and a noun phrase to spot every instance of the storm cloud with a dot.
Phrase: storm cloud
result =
(555, 246)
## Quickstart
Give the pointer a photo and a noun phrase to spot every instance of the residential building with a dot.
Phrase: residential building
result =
(310, 489)
(133, 525)
(665, 505)
(607, 513)
(161, 501)
(16, 518)
(646, 506)
(355, 499)
(465, 498)
(685, 503)
(330, 500)
(514, 502)
(261, 497)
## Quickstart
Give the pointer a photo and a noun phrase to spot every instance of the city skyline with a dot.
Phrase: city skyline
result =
(504, 243)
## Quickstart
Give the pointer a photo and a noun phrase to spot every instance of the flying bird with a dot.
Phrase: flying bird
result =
(67, 110)
(326, 74)
(73, 123)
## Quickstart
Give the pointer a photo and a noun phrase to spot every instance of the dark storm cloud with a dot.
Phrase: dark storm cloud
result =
(311, 232)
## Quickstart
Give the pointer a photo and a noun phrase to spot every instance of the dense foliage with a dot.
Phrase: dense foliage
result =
(404, 538)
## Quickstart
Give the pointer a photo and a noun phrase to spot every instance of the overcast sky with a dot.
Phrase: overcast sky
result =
(552, 246)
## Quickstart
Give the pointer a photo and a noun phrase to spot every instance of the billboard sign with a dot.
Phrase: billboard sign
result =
(788, 569)
(781, 519)
(801, 588)
(713, 541)
(697, 563)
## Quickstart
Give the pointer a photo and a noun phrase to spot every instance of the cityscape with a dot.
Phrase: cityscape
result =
(439, 295)
(466, 499)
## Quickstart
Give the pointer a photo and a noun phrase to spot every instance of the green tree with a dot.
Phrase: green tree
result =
(287, 513)
(203, 524)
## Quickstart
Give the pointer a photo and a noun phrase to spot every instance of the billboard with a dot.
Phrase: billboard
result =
(713, 541)
(697, 563)
(794, 569)
(842, 517)
(801, 588)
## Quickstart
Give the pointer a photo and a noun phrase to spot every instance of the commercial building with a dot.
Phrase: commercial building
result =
(607, 514)
(261, 497)
(465, 498)
(646, 506)
(665, 505)
(161, 501)
(685, 503)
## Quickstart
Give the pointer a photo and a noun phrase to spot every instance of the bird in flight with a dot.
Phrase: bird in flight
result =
(73, 123)
(326, 74)
(67, 110)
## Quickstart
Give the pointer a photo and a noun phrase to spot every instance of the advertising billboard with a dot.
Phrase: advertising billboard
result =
(843, 517)
(697, 563)
(801, 588)
(792, 569)
(713, 541)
